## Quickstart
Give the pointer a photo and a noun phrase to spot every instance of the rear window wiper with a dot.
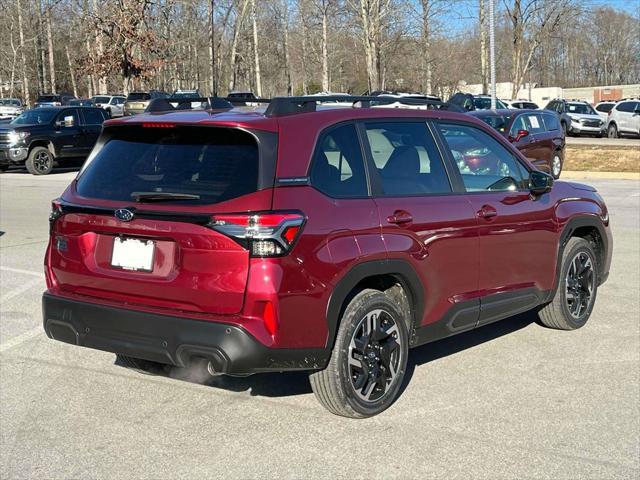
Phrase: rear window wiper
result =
(162, 196)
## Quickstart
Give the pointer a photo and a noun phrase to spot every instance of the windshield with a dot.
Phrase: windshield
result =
(214, 164)
(185, 95)
(484, 103)
(35, 117)
(499, 122)
(581, 109)
(101, 99)
(48, 98)
(138, 96)
(10, 102)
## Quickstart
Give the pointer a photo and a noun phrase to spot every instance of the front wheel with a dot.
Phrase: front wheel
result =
(612, 131)
(369, 358)
(575, 296)
(39, 161)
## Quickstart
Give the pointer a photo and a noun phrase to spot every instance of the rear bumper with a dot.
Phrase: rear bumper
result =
(169, 339)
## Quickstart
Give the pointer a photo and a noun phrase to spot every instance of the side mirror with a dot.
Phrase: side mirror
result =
(540, 182)
(67, 122)
(519, 136)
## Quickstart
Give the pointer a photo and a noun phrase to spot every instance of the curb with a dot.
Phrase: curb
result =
(573, 174)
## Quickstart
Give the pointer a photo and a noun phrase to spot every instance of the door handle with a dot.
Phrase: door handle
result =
(487, 211)
(400, 217)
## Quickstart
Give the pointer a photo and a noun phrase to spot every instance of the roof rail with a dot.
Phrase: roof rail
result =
(186, 103)
(280, 106)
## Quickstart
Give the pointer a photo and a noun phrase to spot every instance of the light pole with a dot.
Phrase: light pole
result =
(492, 52)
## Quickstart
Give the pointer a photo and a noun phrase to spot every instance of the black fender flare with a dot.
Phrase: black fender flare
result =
(567, 232)
(400, 269)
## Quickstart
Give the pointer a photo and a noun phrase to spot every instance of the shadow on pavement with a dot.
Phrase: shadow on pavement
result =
(297, 383)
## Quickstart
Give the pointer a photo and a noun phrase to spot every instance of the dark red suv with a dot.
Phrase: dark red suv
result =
(329, 241)
(536, 133)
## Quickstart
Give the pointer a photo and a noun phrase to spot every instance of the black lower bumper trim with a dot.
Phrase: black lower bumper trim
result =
(170, 339)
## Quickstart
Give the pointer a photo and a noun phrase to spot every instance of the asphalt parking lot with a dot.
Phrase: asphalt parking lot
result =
(510, 400)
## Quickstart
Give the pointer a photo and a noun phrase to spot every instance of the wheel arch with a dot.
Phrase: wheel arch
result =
(379, 275)
(48, 144)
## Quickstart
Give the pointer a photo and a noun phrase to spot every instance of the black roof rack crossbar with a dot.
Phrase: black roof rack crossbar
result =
(280, 106)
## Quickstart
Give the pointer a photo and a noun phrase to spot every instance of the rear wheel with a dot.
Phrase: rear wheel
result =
(145, 367)
(39, 161)
(369, 358)
(556, 165)
(577, 288)
(612, 131)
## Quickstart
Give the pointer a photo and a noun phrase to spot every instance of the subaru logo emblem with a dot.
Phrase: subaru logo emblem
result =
(124, 214)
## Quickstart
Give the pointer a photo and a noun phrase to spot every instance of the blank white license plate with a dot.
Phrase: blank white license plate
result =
(132, 254)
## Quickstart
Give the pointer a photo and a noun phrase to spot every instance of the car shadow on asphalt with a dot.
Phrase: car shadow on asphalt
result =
(72, 166)
(297, 383)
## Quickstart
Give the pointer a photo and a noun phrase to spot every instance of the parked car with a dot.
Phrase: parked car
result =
(577, 117)
(624, 119)
(299, 240)
(81, 102)
(603, 109)
(537, 134)
(10, 108)
(52, 100)
(243, 99)
(471, 102)
(42, 137)
(521, 104)
(193, 93)
(113, 104)
(137, 101)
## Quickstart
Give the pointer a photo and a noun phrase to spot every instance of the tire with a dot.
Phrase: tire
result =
(565, 127)
(347, 388)
(556, 165)
(109, 113)
(4, 168)
(145, 367)
(574, 299)
(40, 161)
(612, 131)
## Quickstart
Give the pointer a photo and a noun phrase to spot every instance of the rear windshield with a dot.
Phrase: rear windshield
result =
(101, 99)
(605, 107)
(48, 98)
(216, 164)
(138, 96)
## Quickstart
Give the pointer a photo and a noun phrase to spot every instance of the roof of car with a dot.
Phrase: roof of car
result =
(503, 111)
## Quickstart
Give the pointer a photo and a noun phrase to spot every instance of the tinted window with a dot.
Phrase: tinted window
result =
(605, 107)
(338, 168)
(92, 117)
(101, 99)
(534, 122)
(215, 164)
(138, 96)
(48, 98)
(551, 122)
(499, 122)
(406, 158)
(625, 107)
(485, 165)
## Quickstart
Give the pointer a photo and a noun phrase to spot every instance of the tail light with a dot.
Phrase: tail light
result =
(56, 212)
(270, 234)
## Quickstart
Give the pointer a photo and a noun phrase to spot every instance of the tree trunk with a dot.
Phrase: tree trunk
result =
(52, 62)
(256, 54)
(23, 58)
(234, 44)
(102, 81)
(287, 59)
(212, 53)
(40, 53)
(484, 54)
(426, 40)
(325, 50)
(305, 40)
(71, 74)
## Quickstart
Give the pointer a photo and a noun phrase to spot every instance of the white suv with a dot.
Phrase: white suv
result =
(624, 119)
(114, 104)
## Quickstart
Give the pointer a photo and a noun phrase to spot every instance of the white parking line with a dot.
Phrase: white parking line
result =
(25, 272)
(20, 290)
(20, 339)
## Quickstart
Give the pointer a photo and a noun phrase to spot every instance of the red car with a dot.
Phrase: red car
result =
(536, 133)
(328, 241)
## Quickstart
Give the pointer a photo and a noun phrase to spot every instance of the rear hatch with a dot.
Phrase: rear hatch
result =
(135, 227)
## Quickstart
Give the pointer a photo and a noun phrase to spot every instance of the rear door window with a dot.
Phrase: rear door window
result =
(338, 166)
(211, 164)
(406, 159)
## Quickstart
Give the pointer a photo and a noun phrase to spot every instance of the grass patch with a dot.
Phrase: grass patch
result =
(596, 158)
